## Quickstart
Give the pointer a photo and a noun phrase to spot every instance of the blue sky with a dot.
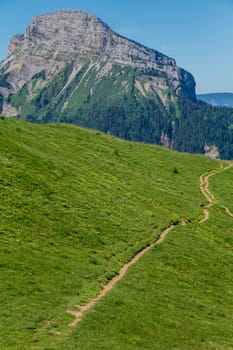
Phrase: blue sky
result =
(197, 33)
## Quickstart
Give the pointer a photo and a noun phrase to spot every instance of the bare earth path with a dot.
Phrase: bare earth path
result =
(204, 188)
(82, 309)
(229, 212)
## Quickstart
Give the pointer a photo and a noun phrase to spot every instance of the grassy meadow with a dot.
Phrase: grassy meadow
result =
(178, 296)
(75, 206)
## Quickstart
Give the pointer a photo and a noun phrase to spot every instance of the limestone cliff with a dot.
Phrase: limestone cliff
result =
(69, 66)
(53, 40)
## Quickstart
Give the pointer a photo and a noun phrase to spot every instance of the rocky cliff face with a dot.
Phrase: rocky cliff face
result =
(75, 34)
(53, 40)
(69, 66)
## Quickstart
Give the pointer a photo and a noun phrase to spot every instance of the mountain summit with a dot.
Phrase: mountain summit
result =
(66, 35)
(69, 37)
(69, 66)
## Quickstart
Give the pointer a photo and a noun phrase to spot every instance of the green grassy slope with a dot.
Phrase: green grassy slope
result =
(75, 206)
(178, 296)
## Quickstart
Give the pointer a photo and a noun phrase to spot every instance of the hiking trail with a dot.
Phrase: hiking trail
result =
(204, 188)
(82, 309)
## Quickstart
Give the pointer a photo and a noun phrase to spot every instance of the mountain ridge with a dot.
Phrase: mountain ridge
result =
(223, 99)
(70, 67)
(54, 39)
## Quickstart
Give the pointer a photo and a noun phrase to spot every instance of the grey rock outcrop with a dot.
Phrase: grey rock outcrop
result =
(74, 34)
(52, 40)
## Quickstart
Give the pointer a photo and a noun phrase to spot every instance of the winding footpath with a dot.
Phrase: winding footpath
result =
(204, 188)
(78, 314)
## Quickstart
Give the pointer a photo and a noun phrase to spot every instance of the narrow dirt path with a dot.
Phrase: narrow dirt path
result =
(227, 210)
(78, 314)
(204, 188)
(206, 214)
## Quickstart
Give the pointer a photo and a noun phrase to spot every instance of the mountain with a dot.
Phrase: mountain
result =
(71, 67)
(217, 99)
(71, 51)
(76, 205)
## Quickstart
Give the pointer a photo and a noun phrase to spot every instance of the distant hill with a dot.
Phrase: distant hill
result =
(218, 99)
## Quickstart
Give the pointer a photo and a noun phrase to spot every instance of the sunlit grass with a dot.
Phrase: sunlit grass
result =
(75, 206)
